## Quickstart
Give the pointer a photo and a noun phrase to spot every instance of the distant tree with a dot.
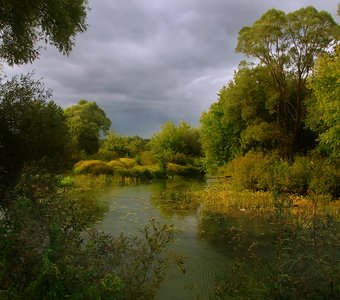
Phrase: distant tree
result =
(33, 128)
(324, 108)
(25, 24)
(86, 121)
(124, 146)
(287, 45)
(176, 142)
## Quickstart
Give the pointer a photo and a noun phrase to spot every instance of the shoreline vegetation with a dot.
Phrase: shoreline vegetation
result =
(273, 133)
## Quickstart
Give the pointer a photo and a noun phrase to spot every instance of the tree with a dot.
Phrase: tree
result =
(124, 146)
(220, 139)
(287, 45)
(25, 24)
(86, 121)
(33, 128)
(324, 108)
(176, 143)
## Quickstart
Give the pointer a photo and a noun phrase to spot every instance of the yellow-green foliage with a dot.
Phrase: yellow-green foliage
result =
(94, 167)
(224, 199)
(128, 168)
(148, 158)
(115, 164)
(257, 171)
(106, 155)
(305, 175)
(128, 163)
(173, 169)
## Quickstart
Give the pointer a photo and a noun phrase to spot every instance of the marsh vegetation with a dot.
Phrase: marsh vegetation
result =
(89, 214)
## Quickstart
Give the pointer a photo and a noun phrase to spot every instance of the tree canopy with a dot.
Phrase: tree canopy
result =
(25, 24)
(287, 45)
(324, 107)
(86, 121)
(176, 143)
(33, 128)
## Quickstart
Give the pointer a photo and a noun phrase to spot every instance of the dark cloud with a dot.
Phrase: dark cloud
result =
(146, 61)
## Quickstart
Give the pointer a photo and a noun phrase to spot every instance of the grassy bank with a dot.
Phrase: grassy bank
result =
(225, 198)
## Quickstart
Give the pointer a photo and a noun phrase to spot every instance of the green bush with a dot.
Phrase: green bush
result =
(305, 175)
(257, 171)
(43, 254)
(105, 155)
(147, 158)
(94, 167)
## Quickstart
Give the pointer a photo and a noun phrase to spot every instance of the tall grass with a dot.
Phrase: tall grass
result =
(225, 199)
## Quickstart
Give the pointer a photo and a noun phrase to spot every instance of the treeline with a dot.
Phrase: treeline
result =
(284, 107)
(278, 119)
(275, 127)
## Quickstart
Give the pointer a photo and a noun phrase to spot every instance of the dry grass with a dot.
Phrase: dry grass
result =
(223, 198)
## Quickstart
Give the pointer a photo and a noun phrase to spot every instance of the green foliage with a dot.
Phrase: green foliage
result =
(128, 169)
(264, 107)
(44, 254)
(304, 263)
(33, 128)
(287, 45)
(178, 144)
(311, 175)
(94, 167)
(124, 146)
(219, 138)
(86, 121)
(25, 24)
(324, 109)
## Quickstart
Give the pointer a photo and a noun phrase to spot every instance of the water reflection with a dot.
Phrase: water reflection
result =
(207, 241)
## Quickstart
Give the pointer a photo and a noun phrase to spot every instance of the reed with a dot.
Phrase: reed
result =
(224, 199)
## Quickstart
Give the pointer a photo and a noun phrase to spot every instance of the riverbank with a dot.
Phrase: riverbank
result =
(222, 197)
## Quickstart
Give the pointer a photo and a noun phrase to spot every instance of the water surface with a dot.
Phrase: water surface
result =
(202, 239)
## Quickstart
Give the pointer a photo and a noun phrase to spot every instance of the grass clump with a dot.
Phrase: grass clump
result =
(94, 167)
(225, 199)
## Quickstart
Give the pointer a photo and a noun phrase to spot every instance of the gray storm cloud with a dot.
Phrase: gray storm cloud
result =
(145, 62)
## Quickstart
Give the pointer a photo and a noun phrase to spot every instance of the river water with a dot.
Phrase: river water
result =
(202, 239)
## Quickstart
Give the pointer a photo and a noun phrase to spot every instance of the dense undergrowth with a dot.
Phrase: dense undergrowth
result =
(302, 263)
(128, 170)
(48, 252)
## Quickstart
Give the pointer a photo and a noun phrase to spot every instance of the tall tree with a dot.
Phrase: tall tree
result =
(324, 108)
(33, 128)
(25, 24)
(287, 45)
(86, 121)
(220, 137)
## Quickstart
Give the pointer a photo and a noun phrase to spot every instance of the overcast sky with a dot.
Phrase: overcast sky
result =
(150, 61)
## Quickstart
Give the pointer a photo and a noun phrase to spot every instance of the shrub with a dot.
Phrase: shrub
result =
(115, 164)
(180, 158)
(173, 169)
(300, 173)
(94, 167)
(305, 175)
(127, 162)
(147, 158)
(254, 171)
(105, 155)
(43, 254)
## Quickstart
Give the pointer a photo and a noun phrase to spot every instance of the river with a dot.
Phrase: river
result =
(202, 239)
